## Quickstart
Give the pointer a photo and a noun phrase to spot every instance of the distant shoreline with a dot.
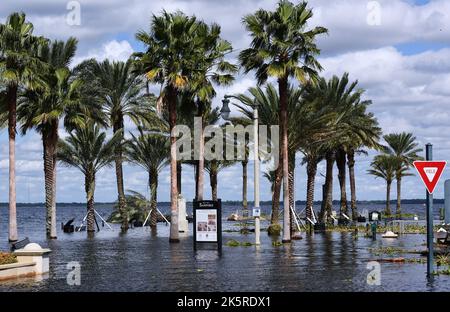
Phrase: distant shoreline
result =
(299, 202)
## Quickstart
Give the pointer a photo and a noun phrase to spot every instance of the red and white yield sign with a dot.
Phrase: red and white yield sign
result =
(430, 172)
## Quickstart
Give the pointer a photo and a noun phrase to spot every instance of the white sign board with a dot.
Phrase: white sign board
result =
(206, 225)
(256, 212)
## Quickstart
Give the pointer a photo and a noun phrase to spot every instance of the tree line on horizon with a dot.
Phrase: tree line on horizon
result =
(323, 119)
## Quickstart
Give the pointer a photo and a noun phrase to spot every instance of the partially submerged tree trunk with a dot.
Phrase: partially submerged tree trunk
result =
(49, 140)
(330, 159)
(118, 126)
(399, 197)
(153, 183)
(351, 173)
(12, 101)
(90, 188)
(311, 170)
(292, 190)
(283, 90)
(172, 101)
(341, 164)
(274, 228)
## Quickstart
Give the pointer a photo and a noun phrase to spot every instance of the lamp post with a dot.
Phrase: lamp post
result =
(225, 113)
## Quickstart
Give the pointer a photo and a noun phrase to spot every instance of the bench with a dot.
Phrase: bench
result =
(20, 244)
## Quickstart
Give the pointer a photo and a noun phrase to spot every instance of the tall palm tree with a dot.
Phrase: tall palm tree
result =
(404, 146)
(19, 67)
(42, 110)
(150, 152)
(385, 167)
(305, 126)
(120, 91)
(172, 48)
(212, 69)
(282, 47)
(88, 150)
(365, 134)
(354, 128)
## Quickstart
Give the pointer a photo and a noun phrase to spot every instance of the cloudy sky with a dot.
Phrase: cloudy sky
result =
(398, 50)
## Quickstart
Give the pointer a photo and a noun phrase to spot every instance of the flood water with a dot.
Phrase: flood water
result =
(139, 261)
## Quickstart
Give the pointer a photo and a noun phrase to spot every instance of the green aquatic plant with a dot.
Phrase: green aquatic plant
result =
(235, 243)
(443, 260)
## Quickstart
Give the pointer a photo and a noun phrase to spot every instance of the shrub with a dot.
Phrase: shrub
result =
(7, 258)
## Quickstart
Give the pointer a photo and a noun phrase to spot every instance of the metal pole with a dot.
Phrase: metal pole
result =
(430, 260)
(256, 152)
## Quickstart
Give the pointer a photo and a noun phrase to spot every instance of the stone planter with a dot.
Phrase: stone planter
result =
(31, 260)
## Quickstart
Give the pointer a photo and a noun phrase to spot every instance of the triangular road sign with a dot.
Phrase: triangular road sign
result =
(430, 172)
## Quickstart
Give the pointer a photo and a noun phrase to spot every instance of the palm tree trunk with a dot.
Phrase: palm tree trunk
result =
(201, 157)
(172, 99)
(283, 90)
(90, 188)
(341, 164)
(153, 182)
(119, 178)
(244, 184)
(351, 174)
(330, 159)
(388, 198)
(12, 100)
(276, 196)
(327, 189)
(196, 178)
(179, 171)
(213, 182)
(399, 197)
(311, 170)
(49, 139)
(292, 190)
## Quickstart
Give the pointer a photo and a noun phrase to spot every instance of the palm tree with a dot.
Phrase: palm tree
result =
(120, 91)
(19, 67)
(170, 59)
(366, 134)
(43, 110)
(212, 68)
(305, 126)
(281, 47)
(88, 150)
(150, 152)
(404, 146)
(385, 167)
(354, 128)
(213, 167)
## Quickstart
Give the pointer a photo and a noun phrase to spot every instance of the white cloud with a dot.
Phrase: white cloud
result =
(113, 50)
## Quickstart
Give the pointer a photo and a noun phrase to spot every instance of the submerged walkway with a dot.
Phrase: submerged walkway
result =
(139, 262)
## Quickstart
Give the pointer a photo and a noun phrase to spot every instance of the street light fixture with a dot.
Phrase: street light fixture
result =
(225, 113)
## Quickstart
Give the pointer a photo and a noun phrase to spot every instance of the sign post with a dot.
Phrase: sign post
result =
(207, 222)
(430, 173)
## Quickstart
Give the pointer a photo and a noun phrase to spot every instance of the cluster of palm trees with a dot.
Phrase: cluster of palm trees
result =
(187, 58)
(394, 164)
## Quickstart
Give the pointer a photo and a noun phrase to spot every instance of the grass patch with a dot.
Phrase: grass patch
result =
(235, 243)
